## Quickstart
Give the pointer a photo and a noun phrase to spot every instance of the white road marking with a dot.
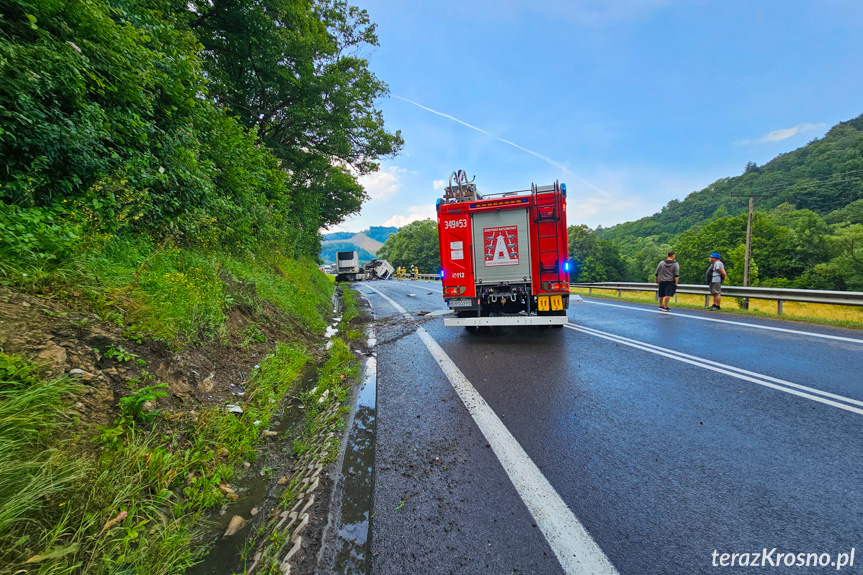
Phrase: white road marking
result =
(431, 286)
(767, 381)
(739, 323)
(713, 319)
(573, 546)
(731, 367)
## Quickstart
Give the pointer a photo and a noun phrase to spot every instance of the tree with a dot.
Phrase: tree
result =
(594, 259)
(847, 247)
(113, 111)
(850, 214)
(414, 244)
(751, 167)
(291, 70)
(646, 259)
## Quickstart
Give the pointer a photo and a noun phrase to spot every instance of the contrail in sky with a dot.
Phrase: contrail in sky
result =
(557, 165)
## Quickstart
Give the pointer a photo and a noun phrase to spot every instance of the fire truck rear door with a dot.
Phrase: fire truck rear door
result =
(501, 246)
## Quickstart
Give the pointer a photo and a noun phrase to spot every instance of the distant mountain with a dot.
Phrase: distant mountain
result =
(338, 236)
(329, 249)
(380, 233)
(364, 242)
(367, 243)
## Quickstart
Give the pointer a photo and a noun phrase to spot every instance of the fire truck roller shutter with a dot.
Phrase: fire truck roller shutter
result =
(501, 247)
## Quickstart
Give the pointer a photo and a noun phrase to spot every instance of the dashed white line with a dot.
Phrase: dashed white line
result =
(573, 546)
(767, 381)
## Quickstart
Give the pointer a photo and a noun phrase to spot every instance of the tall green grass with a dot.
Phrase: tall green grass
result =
(169, 293)
(56, 504)
(33, 474)
(296, 287)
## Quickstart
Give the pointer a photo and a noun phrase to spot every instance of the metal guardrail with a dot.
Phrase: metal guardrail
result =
(779, 295)
(428, 276)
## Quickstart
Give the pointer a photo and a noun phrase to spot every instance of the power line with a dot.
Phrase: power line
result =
(818, 182)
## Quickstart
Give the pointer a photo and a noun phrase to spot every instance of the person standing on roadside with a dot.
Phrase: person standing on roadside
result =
(667, 276)
(714, 278)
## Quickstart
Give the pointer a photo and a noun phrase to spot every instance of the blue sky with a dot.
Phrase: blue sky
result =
(631, 103)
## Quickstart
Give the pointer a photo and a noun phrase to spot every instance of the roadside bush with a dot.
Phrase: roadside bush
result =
(34, 243)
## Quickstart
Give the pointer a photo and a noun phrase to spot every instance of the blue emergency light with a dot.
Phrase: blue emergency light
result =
(441, 274)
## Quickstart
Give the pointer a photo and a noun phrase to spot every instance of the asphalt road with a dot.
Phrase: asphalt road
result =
(698, 432)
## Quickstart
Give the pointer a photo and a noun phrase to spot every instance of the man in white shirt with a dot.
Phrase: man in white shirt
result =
(715, 276)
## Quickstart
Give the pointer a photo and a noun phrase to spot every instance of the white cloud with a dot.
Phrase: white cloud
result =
(383, 183)
(550, 161)
(785, 133)
(439, 184)
(415, 213)
(782, 134)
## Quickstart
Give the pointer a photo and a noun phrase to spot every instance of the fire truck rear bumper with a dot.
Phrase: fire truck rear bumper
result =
(507, 320)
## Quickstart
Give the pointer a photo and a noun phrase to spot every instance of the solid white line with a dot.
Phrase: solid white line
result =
(731, 367)
(717, 367)
(740, 323)
(573, 546)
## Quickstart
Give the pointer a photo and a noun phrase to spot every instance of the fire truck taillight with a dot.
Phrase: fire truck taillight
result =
(555, 286)
(455, 290)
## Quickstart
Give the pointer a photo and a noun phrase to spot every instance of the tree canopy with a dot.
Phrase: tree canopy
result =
(414, 244)
(237, 123)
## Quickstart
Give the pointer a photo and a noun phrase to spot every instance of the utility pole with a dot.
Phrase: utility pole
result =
(748, 256)
(747, 259)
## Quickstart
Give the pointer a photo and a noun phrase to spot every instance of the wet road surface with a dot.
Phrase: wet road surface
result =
(665, 436)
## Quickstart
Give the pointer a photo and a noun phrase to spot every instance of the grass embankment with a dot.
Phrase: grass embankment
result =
(127, 497)
(836, 315)
(334, 377)
(324, 410)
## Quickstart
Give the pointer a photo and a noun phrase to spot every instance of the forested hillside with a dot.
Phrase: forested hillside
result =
(807, 230)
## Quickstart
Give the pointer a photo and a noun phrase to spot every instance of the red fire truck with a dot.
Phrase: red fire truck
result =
(504, 257)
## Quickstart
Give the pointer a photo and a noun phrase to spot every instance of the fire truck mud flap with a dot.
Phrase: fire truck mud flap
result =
(504, 321)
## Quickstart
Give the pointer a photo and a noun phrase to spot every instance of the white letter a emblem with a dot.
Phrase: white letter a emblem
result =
(501, 254)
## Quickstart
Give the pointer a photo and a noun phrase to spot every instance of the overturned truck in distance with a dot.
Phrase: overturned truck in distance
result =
(348, 268)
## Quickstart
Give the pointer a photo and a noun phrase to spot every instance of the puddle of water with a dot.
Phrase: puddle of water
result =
(352, 538)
